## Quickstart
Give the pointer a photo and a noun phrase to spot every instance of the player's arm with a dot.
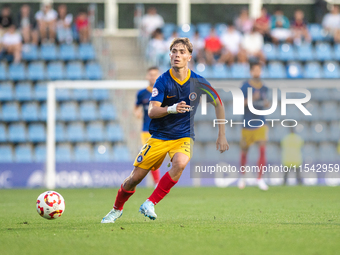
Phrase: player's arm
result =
(137, 111)
(221, 143)
(157, 111)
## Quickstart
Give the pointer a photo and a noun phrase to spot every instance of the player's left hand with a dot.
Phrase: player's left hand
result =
(222, 144)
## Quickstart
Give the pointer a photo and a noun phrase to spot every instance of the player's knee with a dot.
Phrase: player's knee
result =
(180, 165)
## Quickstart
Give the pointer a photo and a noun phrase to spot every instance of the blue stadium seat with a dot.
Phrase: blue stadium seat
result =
(240, 71)
(95, 132)
(220, 71)
(114, 133)
(313, 108)
(60, 135)
(319, 132)
(320, 94)
(74, 71)
(205, 132)
(334, 131)
(10, 112)
(220, 28)
(331, 70)
(63, 94)
(17, 72)
(329, 111)
(30, 52)
(309, 153)
(75, 132)
(121, 153)
(40, 153)
(273, 153)
(270, 51)
(68, 111)
(278, 132)
(81, 94)
(335, 94)
(323, 51)
(100, 94)
(23, 153)
(294, 70)
(6, 154)
(328, 153)
(36, 71)
(55, 71)
(184, 32)
(88, 111)
(6, 91)
(203, 29)
(3, 133)
(64, 153)
(277, 70)
(305, 52)
(23, 91)
(83, 153)
(68, 52)
(17, 133)
(107, 111)
(3, 71)
(86, 52)
(203, 70)
(30, 112)
(286, 52)
(94, 71)
(168, 29)
(43, 112)
(49, 52)
(40, 91)
(36, 133)
(102, 153)
(316, 32)
(312, 70)
(337, 52)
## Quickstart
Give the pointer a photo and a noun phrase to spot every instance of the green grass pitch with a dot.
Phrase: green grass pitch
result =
(283, 220)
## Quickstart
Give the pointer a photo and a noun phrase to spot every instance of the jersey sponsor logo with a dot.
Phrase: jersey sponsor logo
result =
(154, 92)
(139, 158)
(170, 96)
(192, 96)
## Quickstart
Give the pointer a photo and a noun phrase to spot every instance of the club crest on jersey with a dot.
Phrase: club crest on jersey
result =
(154, 92)
(139, 158)
(192, 96)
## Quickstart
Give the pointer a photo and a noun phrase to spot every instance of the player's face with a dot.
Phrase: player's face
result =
(179, 56)
(152, 76)
(256, 71)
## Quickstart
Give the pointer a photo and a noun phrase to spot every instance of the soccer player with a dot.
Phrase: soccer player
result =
(174, 100)
(251, 135)
(143, 97)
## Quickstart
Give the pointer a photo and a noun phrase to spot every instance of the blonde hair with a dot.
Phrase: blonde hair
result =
(185, 41)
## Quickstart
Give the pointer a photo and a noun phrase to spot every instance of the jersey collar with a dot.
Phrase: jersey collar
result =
(255, 84)
(149, 89)
(177, 80)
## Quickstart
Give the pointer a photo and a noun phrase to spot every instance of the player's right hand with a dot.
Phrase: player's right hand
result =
(182, 107)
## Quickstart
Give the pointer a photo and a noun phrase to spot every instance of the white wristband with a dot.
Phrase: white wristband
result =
(172, 109)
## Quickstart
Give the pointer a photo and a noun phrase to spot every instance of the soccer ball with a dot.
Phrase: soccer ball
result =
(50, 205)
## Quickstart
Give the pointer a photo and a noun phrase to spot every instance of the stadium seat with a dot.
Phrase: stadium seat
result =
(10, 112)
(277, 70)
(186, 30)
(63, 94)
(323, 51)
(312, 70)
(204, 132)
(3, 133)
(313, 108)
(68, 52)
(60, 135)
(81, 94)
(203, 70)
(55, 71)
(83, 153)
(264, 72)
(43, 112)
(3, 71)
(23, 91)
(305, 52)
(88, 111)
(100, 94)
(270, 51)
(273, 153)
(317, 33)
(102, 153)
(68, 111)
(40, 91)
(220, 71)
(335, 94)
(319, 132)
(23, 153)
(75, 132)
(107, 111)
(40, 153)
(319, 94)
(331, 70)
(36, 71)
(203, 29)
(337, 52)
(278, 132)
(328, 153)
(74, 71)
(334, 131)
(64, 153)
(95, 132)
(6, 91)
(304, 131)
(30, 112)
(86, 52)
(94, 71)
(240, 71)
(220, 28)
(30, 52)
(121, 153)
(6, 154)
(309, 153)
(329, 111)
(294, 70)
(286, 52)
(36, 133)
(114, 133)
(49, 52)
(17, 133)
(17, 72)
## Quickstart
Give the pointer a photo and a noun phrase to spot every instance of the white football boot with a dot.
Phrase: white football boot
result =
(262, 185)
(112, 216)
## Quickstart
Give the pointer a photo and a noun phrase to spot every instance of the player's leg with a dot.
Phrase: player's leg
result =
(245, 143)
(261, 162)
(155, 173)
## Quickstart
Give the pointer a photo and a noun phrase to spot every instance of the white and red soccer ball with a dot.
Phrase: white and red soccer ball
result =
(50, 205)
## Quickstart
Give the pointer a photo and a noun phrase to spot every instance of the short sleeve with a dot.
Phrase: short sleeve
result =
(207, 89)
(158, 91)
(244, 89)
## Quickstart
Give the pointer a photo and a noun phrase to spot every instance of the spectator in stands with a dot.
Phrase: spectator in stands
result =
(299, 28)
(198, 44)
(251, 48)
(5, 19)
(11, 43)
(280, 28)
(331, 22)
(27, 25)
(151, 21)
(213, 48)
(170, 39)
(244, 23)
(157, 48)
(47, 18)
(231, 40)
(64, 31)
(83, 26)
(262, 24)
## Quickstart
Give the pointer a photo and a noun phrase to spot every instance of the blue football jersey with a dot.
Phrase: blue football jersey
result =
(169, 90)
(143, 97)
(258, 104)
